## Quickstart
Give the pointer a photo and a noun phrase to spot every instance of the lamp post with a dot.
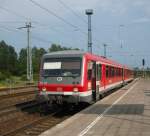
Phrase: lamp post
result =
(120, 35)
(89, 12)
(105, 45)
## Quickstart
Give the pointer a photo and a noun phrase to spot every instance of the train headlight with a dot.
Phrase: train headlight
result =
(75, 90)
(43, 89)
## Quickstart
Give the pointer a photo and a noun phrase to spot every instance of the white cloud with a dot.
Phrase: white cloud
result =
(141, 20)
(115, 7)
(139, 2)
(112, 6)
(143, 5)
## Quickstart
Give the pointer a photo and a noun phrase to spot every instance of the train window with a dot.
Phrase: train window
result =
(90, 65)
(118, 71)
(66, 67)
(98, 71)
(122, 72)
(115, 72)
(112, 71)
(107, 71)
(89, 74)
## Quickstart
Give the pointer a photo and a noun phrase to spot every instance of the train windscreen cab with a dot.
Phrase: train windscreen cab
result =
(75, 76)
(64, 71)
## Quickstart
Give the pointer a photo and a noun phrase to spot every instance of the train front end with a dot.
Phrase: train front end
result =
(61, 77)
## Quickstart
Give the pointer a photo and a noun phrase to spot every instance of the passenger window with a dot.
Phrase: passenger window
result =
(110, 71)
(89, 72)
(98, 71)
(107, 71)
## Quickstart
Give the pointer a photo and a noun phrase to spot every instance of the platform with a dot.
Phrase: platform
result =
(126, 112)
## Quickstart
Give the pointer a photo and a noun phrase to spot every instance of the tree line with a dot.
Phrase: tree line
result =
(14, 64)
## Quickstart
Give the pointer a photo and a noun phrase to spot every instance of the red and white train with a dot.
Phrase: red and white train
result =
(77, 76)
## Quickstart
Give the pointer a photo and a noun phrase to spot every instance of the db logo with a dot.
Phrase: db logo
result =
(59, 79)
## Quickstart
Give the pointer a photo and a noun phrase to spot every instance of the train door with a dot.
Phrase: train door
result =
(123, 75)
(94, 75)
(96, 80)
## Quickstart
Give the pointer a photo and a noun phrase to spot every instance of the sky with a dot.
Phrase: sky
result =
(124, 25)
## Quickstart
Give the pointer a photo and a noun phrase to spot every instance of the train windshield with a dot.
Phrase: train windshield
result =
(65, 67)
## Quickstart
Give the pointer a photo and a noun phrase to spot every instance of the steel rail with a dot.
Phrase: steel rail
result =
(10, 95)
(24, 127)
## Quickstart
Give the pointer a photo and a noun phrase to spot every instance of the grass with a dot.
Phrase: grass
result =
(14, 82)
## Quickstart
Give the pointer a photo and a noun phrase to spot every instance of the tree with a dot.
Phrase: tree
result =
(37, 53)
(8, 58)
(22, 61)
(55, 47)
(36, 58)
(3, 54)
(12, 60)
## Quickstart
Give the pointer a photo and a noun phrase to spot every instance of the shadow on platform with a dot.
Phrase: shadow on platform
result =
(133, 109)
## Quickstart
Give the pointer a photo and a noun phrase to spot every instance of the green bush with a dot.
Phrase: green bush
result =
(36, 77)
(23, 77)
(2, 76)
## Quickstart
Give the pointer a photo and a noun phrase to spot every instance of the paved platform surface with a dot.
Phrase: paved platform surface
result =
(126, 112)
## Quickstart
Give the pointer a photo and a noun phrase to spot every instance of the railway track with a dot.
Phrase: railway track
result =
(13, 98)
(20, 112)
(11, 95)
(16, 88)
(13, 108)
(41, 123)
(26, 129)
(14, 111)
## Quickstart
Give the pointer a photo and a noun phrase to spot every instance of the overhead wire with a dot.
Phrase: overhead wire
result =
(22, 16)
(73, 11)
(53, 13)
(12, 12)
(77, 15)
(19, 15)
(57, 16)
(49, 11)
(34, 37)
(62, 19)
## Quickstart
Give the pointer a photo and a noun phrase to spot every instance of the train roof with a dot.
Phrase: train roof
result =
(78, 53)
(65, 53)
